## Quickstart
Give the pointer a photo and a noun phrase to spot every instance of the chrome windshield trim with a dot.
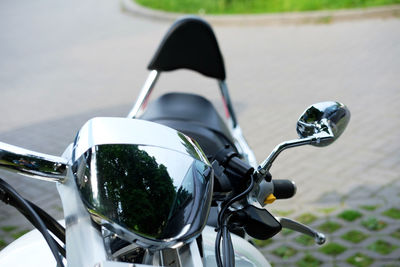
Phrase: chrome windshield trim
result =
(107, 130)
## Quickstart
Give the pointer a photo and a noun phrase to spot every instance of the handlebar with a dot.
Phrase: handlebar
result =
(232, 173)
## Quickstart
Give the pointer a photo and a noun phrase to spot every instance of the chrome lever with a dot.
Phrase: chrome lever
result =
(304, 229)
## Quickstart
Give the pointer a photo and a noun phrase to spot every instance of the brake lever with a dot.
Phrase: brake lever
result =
(304, 229)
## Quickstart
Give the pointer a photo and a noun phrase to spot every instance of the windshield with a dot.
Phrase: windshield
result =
(154, 192)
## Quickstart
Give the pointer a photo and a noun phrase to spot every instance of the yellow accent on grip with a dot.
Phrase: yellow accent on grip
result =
(270, 199)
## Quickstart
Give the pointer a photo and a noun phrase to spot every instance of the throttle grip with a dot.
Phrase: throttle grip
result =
(284, 188)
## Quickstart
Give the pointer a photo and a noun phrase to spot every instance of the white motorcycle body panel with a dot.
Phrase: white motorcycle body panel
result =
(32, 250)
(29, 250)
(246, 255)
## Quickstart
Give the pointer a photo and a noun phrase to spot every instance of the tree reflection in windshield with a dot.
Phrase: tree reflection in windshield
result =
(133, 189)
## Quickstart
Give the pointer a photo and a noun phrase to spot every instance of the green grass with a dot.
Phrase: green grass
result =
(8, 229)
(329, 227)
(382, 247)
(309, 261)
(354, 236)
(257, 6)
(3, 244)
(306, 218)
(327, 211)
(373, 224)
(360, 260)
(282, 213)
(262, 243)
(370, 207)
(305, 240)
(286, 232)
(19, 234)
(392, 213)
(350, 215)
(284, 252)
(396, 233)
(333, 249)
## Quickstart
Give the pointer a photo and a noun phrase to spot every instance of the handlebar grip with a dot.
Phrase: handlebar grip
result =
(284, 188)
(240, 167)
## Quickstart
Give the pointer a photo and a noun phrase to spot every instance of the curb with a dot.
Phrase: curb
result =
(310, 17)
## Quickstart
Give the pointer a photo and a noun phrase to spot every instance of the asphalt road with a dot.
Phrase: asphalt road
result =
(65, 62)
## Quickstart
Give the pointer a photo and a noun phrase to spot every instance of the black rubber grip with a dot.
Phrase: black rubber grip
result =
(284, 189)
(240, 167)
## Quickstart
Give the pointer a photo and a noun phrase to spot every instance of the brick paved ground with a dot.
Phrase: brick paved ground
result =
(65, 63)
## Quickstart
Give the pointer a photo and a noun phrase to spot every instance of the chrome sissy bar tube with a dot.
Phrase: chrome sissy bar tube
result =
(227, 102)
(240, 141)
(144, 94)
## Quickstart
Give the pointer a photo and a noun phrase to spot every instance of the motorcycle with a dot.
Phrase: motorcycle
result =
(172, 184)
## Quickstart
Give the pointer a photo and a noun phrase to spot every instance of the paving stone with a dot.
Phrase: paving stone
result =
(331, 198)
(361, 192)
(388, 191)
(386, 264)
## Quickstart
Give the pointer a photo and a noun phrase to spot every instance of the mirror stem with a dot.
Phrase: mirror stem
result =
(264, 167)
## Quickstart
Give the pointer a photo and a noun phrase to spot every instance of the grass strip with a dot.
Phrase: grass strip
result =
(257, 6)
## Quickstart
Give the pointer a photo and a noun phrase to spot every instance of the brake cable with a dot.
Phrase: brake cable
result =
(223, 231)
(7, 193)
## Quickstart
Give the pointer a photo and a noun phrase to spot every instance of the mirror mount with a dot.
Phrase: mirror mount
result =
(32, 164)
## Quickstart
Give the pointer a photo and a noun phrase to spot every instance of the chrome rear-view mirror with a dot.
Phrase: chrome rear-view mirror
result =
(319, 125)
(323, 119)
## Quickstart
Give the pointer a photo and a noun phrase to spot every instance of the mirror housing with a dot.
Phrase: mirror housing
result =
(320, 125)
(323, 119)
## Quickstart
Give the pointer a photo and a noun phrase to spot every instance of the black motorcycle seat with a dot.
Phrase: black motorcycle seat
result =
(193, 115)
